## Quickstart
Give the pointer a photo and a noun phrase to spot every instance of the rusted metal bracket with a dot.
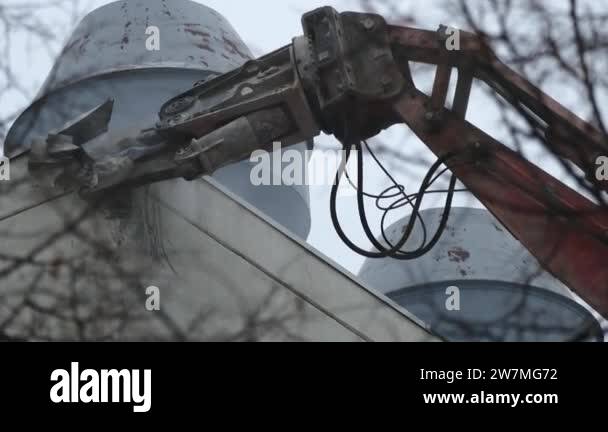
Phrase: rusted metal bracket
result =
(463, 92)
(441, 85)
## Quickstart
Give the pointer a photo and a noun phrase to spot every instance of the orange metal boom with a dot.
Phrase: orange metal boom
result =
(565, 231)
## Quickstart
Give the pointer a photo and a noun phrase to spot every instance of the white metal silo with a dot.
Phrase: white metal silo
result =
(479, 284)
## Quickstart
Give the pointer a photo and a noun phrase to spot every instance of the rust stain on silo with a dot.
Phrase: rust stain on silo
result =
(204, 46)
(233, 49)
(458, 255)
(197, 33)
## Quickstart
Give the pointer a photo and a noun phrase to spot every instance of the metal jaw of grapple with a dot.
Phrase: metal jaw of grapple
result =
(326, 79)
(60, 160)
(66, 158)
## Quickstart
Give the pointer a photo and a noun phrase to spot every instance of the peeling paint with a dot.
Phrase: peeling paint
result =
(204, 47)
(233, 49)
(197, 33)
(458, 255)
